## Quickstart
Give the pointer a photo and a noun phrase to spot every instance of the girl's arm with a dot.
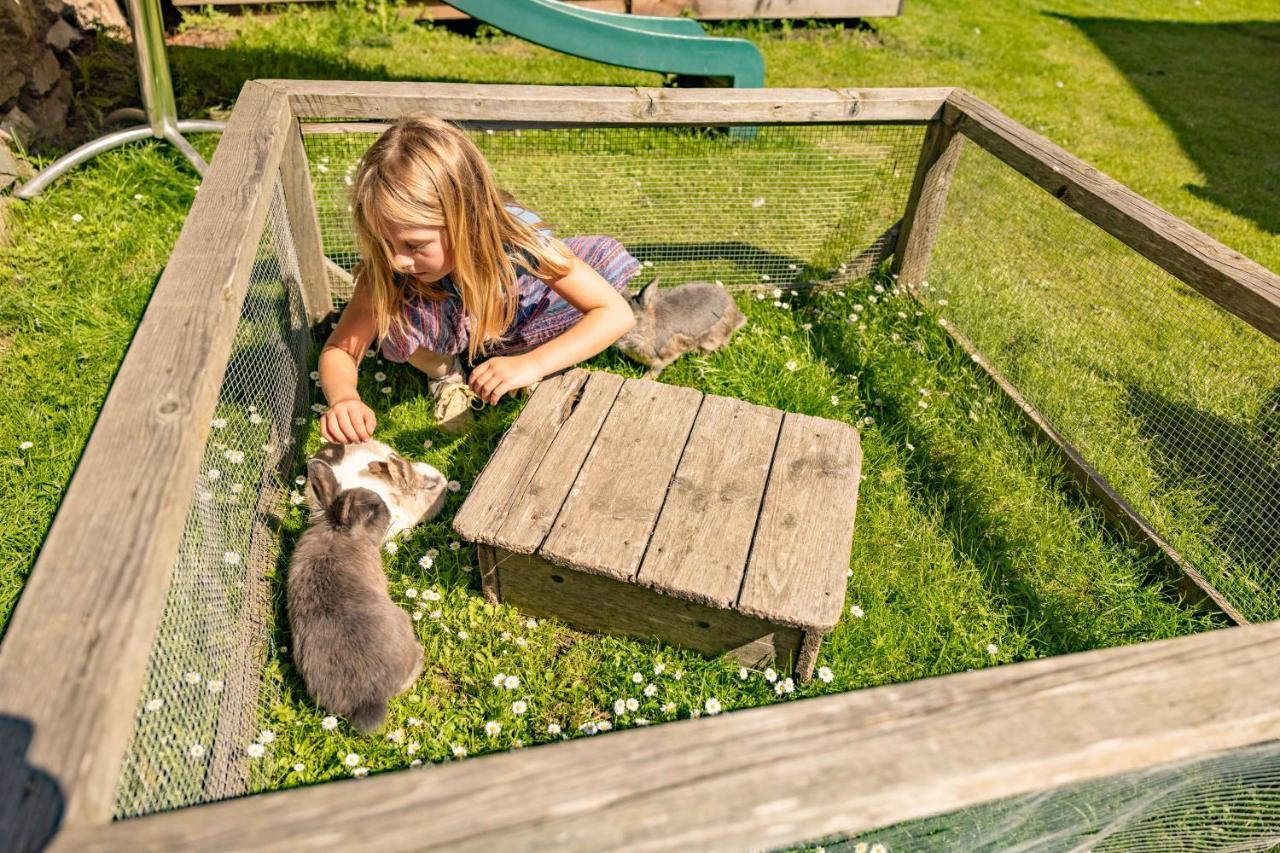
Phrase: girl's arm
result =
(348, 418)
(606, 316)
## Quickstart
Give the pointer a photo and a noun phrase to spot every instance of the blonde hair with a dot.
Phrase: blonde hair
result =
(425, 172)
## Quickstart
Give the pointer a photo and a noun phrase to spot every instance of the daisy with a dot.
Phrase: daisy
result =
(493, 728)
(713, 706)
(352, 760)
(256, 750)
(329, 723)
(825, 675)
(519, 707)
(511, 682)
(459, 751)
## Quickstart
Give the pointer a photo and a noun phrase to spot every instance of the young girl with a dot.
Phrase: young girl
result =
(451, 266)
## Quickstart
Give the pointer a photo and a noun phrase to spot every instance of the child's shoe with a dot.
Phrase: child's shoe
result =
(454, 400)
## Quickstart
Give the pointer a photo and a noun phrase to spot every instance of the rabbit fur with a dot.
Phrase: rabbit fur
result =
(676, 320)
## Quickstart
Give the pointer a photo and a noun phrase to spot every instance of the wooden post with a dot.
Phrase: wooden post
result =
(305, 228)
(74, 657)
(938, 158)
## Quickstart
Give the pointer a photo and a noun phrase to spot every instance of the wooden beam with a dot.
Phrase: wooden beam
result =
(938, 157)
(779, 775)
(1241, 286)
(304, 226)
(608, 105)
(725, 10)
(74, 657)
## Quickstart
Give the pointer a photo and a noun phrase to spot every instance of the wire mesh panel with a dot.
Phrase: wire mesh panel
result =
(1173, 400)
(785, 207)
(198, 714)
(1230, 801)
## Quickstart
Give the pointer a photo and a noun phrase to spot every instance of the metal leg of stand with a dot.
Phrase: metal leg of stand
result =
(70, 160)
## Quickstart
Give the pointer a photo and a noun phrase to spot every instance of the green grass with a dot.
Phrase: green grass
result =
(968, 533)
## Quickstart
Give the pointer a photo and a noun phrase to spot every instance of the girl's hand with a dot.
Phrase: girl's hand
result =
(348, 421)
(502, 375)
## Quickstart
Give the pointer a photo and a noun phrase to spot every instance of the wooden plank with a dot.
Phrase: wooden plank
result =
(938, 157)
(721, 476)
(521, 489)
(726, 10)
(1117, 510)
(835, 765)
(605, 605)
(73, 659)
(1241, 286)
(608, 105)
(535, 508)
(606, 520)
(796, 573)
(304, 226)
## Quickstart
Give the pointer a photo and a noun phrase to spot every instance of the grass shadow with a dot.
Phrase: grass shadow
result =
(1179, 68)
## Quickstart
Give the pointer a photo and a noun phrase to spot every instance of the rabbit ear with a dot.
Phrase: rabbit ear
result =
(650, 291)
(324, 485)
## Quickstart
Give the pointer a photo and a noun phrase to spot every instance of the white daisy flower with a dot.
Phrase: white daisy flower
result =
(589, 728)
(757, 202)
(26, 445)
(191, 677)
(669, 708)
(453, 546)
(713, 706)
(237, 488)
(299, 767)
(425, 562)
(770, 676)
(678, 674)
(825, 675)
(266, 736)
(434, 614)
(413, 747)
(519, 707)
(462, 635)
(511, 682)
(521, 642)
(777, 293)
(256, 750)
(531, 623)
(386, 389)
(396, 736)
(300, 480)
(633, 704)
(410, 593)
(493, 728)
(743, 673)
(605, 725)
(379, 376)
(856, 612)
(235, 457)
(360, 772)
(459, 751)
(196, 750)
(432, 553)
(835, 401)
(650, 690)
(417, 762)
(637, 678)
(318, 408)
(992, 649)
(391, 547)
(154, 704)
(352, 760)
(790, 365)
(413, 722)
(553, 728)
(431, 595)
(787, 685)
(329, 723)
(213, 473)
(417, 616)
(454, 485)
(619, 707)
(499, 679)
(659, 668)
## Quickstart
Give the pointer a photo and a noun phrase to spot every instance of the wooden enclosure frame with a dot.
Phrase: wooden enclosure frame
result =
(73, 659)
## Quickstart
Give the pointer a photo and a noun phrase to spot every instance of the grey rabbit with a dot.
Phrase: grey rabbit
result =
(675, 320)
(354, 647)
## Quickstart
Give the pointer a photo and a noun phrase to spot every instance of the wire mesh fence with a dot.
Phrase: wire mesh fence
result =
(204, 690)
(786, 207)
(1229, 801)
(1173, 400)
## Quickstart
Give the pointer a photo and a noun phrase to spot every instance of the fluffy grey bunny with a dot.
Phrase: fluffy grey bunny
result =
(354, 647)
(675, 320)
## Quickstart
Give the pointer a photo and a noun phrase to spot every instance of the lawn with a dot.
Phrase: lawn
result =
(972, 548)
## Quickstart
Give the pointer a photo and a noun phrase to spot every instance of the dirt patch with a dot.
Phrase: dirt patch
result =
(201, 38)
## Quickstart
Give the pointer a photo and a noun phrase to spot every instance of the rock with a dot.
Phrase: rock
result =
(61, 35)
(104, 14)
(46, 73)
(50, 114)
(11, 85)
(18, 125)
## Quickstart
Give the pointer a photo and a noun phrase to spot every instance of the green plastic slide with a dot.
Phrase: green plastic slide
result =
(671, 45)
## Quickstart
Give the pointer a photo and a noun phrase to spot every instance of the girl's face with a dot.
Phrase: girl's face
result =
(422, 251)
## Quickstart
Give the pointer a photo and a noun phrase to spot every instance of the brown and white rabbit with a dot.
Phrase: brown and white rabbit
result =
(413, 491)
(354, 647)
(674, 320)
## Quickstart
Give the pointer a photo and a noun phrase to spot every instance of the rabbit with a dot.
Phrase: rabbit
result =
(676, 320)
(413, 491)
(354, 647)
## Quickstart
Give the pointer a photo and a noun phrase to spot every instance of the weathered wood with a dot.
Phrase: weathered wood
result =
(1194, 585)
(624, 480)
(938, 157)
(599, 603)
(488, 560)
(1241, 286)
(726, 10)
(722, 477)
(801, 552)
(513, 502)
(608, 105)
(835, 765)
(73, 659)
(536, 507)
(304, 226)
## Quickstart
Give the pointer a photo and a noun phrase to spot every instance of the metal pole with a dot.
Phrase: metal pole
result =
(147, 26)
